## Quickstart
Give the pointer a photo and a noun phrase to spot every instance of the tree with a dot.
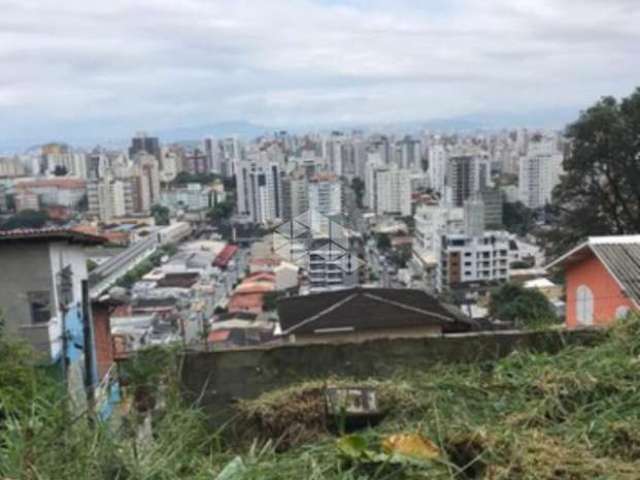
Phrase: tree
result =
(203, 178)
(229, 183)
(26, 219)
(20, 381)
(599, 194)
(160, 214)
(358, 188)
(83, 204)
(60, 171)
(522, 306)
(221, 211)
(517, 218)
(270, 301)
(401, 255)
(383, 241)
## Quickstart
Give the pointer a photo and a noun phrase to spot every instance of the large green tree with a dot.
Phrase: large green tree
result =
(517, 218)
(599, 193)
(357, 184)
(26, 219)
(222, 210)
(525, 307)
(161, 214)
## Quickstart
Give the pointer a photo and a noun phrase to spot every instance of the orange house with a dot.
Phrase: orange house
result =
(249, 295)
(602, 279)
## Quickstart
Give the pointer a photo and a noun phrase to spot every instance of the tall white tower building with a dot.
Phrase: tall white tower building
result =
(540, 172)
(259, 190)
(437, 169)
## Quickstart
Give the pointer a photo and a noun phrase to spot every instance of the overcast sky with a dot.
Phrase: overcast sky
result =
(106, 68)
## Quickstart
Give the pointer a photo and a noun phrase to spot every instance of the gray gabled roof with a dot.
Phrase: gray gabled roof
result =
(623, 262)
(367, 309)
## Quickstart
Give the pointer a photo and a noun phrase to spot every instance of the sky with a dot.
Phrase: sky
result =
(105, 69)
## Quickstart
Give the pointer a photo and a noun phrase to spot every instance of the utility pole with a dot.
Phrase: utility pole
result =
(65, 297)
(87, 334)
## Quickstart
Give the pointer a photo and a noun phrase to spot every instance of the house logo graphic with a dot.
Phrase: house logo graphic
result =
(314, 237)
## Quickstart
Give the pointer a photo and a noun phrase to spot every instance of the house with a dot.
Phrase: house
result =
(602, 279)
(249, 295)
(286, 276)
(359, 314)
(240, 329)
(41, 296)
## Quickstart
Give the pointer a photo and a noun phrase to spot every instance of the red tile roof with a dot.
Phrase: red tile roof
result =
(254, 287)
(246, 302)
(50, 234)
(218, 336)
(260, 276)
(225, 256)
(66, 183)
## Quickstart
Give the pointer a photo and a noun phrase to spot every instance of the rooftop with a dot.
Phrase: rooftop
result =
(367, 308)
(620, 254)
(50, 235)
(67, 183)
(224, 257)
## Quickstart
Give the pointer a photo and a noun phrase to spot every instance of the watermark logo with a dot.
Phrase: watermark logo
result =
(312, 239)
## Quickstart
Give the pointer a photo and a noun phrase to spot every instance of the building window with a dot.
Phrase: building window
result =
(584, 305)
(40, 306)
(621, 312)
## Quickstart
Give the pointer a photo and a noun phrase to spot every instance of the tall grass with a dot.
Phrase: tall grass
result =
(572, 415)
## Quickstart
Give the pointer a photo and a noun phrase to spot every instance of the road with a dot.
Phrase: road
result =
(106, 274)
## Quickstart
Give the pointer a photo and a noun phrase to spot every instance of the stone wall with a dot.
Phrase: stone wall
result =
(214, 380)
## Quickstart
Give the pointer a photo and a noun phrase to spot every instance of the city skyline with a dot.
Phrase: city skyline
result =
(74, 72)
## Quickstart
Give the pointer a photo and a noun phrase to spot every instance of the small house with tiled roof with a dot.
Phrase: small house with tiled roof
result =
(359, 314)
(602, 279)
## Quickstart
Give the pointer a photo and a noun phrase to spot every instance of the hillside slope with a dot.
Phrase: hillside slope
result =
(573, 415)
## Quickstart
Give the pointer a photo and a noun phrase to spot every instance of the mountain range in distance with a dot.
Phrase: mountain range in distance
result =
(548, 119)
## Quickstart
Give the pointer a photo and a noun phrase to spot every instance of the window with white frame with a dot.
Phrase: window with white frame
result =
(584, 305)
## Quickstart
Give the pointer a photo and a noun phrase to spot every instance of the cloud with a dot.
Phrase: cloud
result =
(107, 68)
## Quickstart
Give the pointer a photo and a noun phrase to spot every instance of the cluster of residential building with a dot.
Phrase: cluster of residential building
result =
(275, 175)
(112, 184)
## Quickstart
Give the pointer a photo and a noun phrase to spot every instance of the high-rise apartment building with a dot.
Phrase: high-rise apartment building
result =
(540, 171)
(387, 189)
(259, 190)
(142, 143)
(493, 200)
(325, 199)
(467, 175)
(215, 154)
(197, 162)
(146, 182)
(437, 170)
(325, 194)
(394, 192)
(110, 198)
(74, 164)
(295, 194)
(409, 154)
(12, 167)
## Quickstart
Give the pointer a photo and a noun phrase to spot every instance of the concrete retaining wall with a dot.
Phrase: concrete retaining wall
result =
(214, 380)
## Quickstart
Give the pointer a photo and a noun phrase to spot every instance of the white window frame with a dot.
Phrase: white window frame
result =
(584, 305)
